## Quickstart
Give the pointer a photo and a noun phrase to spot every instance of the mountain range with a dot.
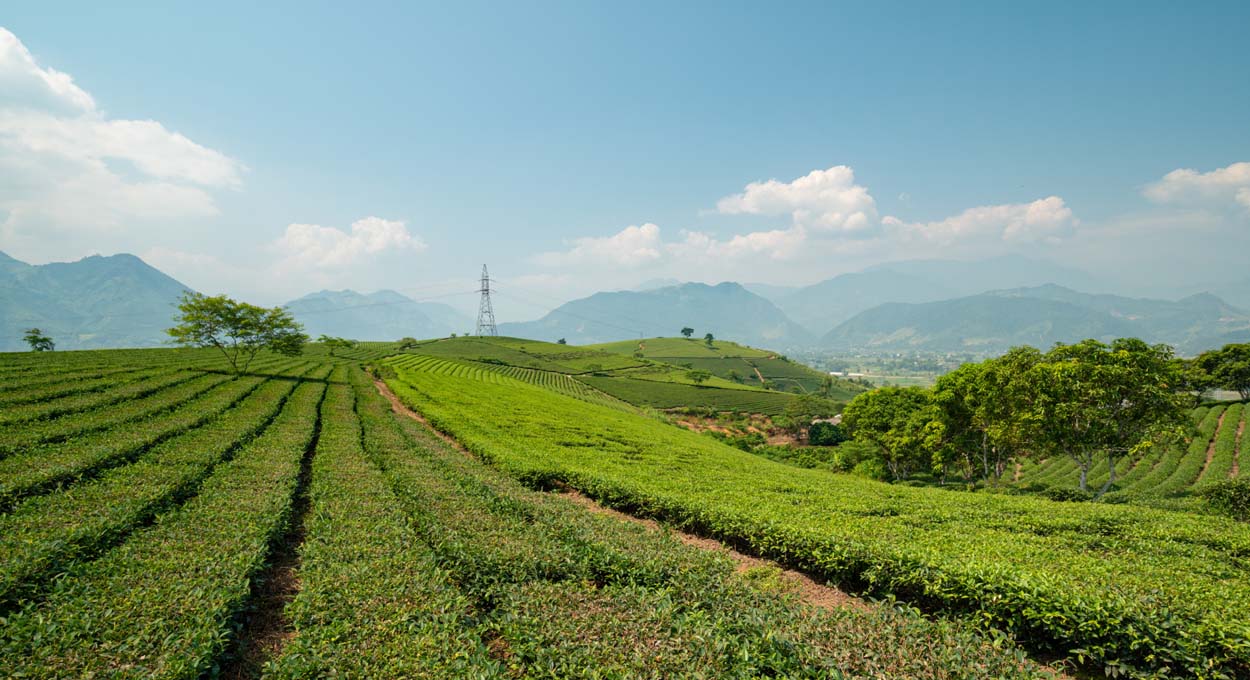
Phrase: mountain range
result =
(1040, 316)
(96, 302)
(384, 315)
(727, 310)
(944, 306)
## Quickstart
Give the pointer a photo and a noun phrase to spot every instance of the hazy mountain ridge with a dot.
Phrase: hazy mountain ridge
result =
(96, 302)
(727, 310)
(382, 315)
(1041, 316)
(822, 306)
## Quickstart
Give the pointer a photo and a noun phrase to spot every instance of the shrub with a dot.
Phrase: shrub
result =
(1230, 497)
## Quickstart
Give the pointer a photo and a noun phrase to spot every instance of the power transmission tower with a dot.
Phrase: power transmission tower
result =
(486, 313)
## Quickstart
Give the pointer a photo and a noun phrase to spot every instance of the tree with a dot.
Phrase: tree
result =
(687, 331)
(562, 341)
(698, 376)
(1228, 368)
(982, 412)
(898, 421)
(238, 329)
(38, 341)
(824, 433)
(409, 343)
(796, 419)
(708, 339)
(735, 376)
(1090, 401)
(335, 343)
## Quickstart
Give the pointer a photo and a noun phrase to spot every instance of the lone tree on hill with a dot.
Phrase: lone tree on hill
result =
(335, 343)
(238, 329)
(698, 376)
(687, 331)
(1228, 368)
(708, 339)
(38, 341)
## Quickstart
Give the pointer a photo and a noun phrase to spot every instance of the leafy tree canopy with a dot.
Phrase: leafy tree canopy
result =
(687, 331)
(1228, 368)
(238, 329)
(38, 341)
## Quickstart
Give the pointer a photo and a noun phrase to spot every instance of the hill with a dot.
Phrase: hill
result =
(96, 302)
(1041, 316)
(384, 315)
(727, 310)
(737, 363)
(822, 306)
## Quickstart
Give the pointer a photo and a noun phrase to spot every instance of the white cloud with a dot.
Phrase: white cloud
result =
(315, 246)
(822, 200)
(1047, 219)
(68, 172)
(632, 246)
(1219, 186)
(774, 244)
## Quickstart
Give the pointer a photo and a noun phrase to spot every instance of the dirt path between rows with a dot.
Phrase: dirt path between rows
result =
(808, 589)
(1211, 445)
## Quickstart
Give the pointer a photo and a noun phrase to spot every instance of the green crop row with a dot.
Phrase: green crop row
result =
(372, 602)
(560, 592)
(1187, 468)
(42, 468)
(557, 382)
(161, 605)
(1221, 466)
(136, 385)
(1122, 584)
(664, 395)
(43, 535)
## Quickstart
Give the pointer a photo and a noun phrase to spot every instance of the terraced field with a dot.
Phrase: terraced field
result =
(1127, 586)
(146, 545)
(1167, 476)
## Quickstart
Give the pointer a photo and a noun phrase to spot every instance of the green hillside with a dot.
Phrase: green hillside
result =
(738, 364)
(1129, 586)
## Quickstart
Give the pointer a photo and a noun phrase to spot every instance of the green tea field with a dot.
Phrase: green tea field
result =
(388, 513)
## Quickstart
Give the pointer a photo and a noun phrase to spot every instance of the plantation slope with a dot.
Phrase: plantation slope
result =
(1160, 590)
(556, 382)
(736, 363)
(549, 582)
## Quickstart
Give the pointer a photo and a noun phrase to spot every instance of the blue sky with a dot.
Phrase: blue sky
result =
(534, 136)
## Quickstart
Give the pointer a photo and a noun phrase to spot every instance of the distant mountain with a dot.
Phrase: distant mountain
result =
(821, 306)
(384, 315)
(656, 284)
(769, 291)
(96, 302)
(727, 310)
(1041, 316)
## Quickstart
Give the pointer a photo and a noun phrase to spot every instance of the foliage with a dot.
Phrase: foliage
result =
(1231, 497)
(1228, 368)
(38, 341)
(238, 329)
(333, 343)
(1089, 400)
(698, 377)
(708, 339)
(898, 421)
(825, 434)
(687, 331)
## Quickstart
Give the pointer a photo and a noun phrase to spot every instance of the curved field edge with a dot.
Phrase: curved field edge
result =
(1117, 585)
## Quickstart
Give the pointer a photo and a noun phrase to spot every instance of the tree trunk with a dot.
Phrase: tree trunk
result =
(1084, 477)
(1110, 476)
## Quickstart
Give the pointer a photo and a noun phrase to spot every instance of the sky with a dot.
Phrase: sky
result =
(268, 150)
